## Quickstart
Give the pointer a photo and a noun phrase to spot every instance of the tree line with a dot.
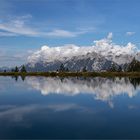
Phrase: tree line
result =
(134, 66)
(22, 69)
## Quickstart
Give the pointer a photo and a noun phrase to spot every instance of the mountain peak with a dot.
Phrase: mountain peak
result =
(103, 49)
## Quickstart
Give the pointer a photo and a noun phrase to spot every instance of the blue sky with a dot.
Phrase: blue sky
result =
(26, 25)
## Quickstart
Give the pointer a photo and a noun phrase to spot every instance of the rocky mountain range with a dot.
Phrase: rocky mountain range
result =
(92, 61)
(99, 57)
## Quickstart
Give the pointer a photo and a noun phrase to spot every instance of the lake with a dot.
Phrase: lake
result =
(41, 107)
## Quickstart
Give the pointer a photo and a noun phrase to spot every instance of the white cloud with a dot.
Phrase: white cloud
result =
(130, 33)
(104, 46)
(15, 26)
(110, 36)
(64, 33)
(60, 52)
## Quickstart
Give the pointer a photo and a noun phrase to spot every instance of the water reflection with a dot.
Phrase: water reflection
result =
(103, 89)
(16, 77)
(135, 82)
(54, 108)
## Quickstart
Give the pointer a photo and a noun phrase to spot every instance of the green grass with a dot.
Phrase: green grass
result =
(73, 74)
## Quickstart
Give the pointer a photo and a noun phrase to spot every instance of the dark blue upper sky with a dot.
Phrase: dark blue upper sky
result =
(26, 25)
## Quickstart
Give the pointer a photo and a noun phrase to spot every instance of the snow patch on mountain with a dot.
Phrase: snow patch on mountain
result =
(61, 53)
(120, 54)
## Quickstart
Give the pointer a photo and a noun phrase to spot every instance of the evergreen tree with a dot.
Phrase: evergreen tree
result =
(16, 69)
(12, 70)
(119, 69)
(23, 69)
(113, 68)
(62, 68)
(134, 66)
(67, 70)
(84, 69)
(125, 67)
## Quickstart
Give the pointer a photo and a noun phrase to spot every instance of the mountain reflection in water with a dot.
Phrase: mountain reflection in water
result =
(45, 107)
(103, 89)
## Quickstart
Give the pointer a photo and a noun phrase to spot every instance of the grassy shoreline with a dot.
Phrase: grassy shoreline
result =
(73, 74)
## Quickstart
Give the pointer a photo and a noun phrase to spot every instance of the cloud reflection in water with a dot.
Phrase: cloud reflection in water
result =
(103, 89)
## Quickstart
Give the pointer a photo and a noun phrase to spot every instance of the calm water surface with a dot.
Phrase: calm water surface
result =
(39, 107)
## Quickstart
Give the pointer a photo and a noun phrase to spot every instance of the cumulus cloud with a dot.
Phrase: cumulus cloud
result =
(105, 47)
(110, 36)
(49, 54)
(130, 33)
